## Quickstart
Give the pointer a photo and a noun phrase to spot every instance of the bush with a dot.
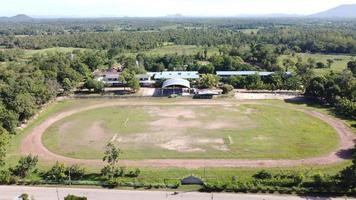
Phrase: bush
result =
(110, 171)
(111, 183)
(57, 173)
(134, 173)
(24, 166)
(75, 172)
(91, 84)
(262, 175)
(72, 197)
(346, 107)
(227, 88)
(208, 81)
(5, 177)
(24, 196)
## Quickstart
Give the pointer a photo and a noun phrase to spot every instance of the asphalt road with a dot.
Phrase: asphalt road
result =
(51, 193)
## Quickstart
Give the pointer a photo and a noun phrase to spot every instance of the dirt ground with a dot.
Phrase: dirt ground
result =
(32, 143)
(251, 96)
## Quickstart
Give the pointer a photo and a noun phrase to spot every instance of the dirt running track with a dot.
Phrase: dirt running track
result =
(32, 144)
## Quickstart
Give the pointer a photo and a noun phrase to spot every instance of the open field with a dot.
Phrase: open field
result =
(246, 131)
(340, 61)
(182, 50)
(29, 53)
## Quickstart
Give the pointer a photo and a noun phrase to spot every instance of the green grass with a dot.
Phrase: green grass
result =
(29, 53)
(182, 50)
(226, 174)
(340, 61)
(266, 132)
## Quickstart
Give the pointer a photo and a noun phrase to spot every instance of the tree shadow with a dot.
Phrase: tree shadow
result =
(346, 153)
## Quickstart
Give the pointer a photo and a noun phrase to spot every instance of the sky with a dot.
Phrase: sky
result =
(155, 8)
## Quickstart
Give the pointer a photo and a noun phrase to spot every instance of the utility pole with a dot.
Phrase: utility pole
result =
(57, 193)
(69, 176)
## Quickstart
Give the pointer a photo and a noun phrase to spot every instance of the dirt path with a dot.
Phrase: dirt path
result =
(32, 144)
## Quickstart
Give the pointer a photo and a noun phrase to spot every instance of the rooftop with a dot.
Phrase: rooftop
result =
(176, 82)
(244, 73)
(175, 74)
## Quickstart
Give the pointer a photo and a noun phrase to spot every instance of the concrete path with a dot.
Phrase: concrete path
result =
(51, 193)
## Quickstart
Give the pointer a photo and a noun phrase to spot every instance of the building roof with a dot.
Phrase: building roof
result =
(143, 76)
(176, 74)
(245, 73)
(176, 82)
(242, 73)
(207, 92)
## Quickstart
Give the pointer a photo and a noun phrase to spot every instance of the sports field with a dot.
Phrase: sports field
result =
(227, 130)
(185, 133)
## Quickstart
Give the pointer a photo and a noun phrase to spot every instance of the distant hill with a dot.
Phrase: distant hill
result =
(343, 11)
(20, 17)
(175, 16)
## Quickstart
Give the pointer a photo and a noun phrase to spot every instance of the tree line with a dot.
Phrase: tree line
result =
(299, 38)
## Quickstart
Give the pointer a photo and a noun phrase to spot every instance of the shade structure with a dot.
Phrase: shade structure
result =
(176, 82)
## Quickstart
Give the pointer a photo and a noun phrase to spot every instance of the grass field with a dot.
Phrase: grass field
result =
(29, 53)
(340, 61)
(244, 131)
(182, 50)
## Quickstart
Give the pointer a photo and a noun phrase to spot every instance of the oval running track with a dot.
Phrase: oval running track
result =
(32, 144)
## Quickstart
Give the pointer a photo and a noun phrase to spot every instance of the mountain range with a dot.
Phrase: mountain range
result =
(342, 11)
(20, 17)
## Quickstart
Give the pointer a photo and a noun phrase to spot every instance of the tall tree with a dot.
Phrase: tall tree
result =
(4, 141)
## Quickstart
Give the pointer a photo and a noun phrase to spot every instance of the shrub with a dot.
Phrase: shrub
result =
(227, 88)
(134, 173)
(110, 171)
(57, 173)
(91, 84)
(24, 166)
(24, 196)
(346, 107)
(111, 183)
(72, 197)
(262, 175)
(208, 81)
(75, 172)
(5, 177)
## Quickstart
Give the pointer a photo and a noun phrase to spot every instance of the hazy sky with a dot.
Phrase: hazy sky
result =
(95, 8)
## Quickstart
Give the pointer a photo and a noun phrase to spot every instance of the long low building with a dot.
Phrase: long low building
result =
(111, 77)
(175, 74)
(245, 73)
